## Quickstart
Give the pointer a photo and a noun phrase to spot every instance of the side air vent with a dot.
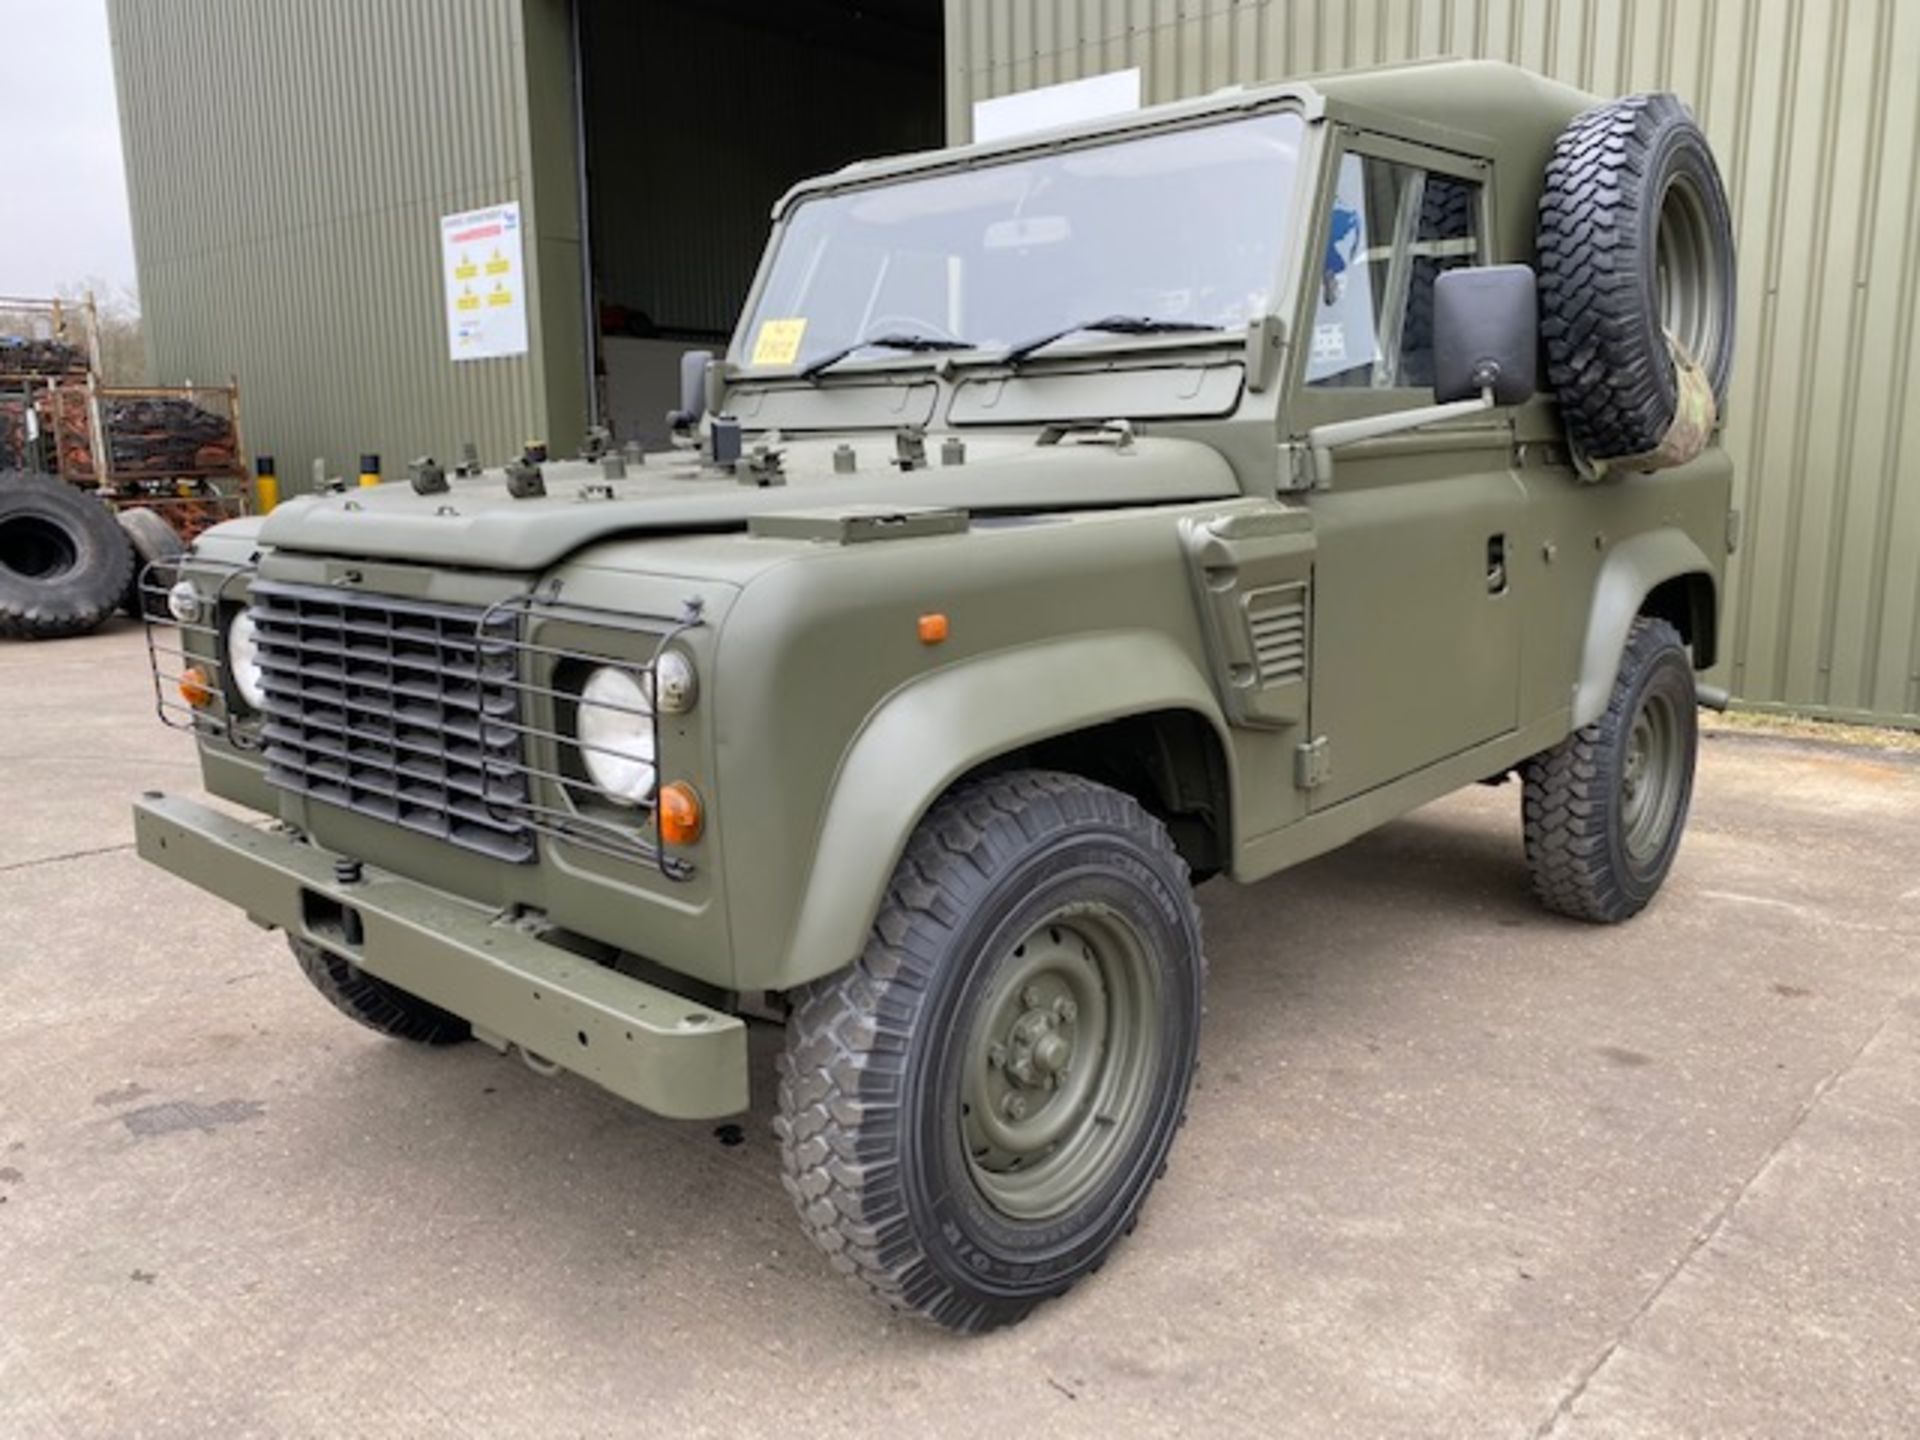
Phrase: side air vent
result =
(1253, 578)
(1277, 620)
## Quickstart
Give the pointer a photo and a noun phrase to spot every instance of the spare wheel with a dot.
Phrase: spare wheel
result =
(1635, 245)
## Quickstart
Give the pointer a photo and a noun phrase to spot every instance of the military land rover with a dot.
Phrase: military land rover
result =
(1074, 518)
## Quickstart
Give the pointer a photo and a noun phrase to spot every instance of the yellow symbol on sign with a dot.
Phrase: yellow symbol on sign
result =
(468, 300)
(497, 265)
(466, 269)
(500, 296)
(778, 341)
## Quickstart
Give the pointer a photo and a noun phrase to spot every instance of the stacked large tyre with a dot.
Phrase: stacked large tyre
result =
(1636, 259)
(66, 564)
(156, 562)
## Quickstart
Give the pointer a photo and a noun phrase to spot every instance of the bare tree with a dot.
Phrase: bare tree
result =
(123, 349)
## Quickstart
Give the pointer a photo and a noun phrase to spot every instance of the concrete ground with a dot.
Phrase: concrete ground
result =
(1454, 1167)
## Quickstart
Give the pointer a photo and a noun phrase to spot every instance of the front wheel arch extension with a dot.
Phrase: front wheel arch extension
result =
(986, 714)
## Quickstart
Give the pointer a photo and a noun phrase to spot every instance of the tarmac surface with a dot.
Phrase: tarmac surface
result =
(1454, 1166)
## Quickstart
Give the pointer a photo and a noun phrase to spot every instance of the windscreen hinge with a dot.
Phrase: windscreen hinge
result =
(1293, 469)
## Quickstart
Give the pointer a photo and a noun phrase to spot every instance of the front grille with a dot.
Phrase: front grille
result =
(397, 709)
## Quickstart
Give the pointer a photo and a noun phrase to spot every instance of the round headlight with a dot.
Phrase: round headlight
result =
(615, 731)
(183, 602)
(243, 661)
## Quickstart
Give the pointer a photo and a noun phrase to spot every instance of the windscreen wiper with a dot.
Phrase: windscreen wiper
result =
(918, 344)
(1107, 325)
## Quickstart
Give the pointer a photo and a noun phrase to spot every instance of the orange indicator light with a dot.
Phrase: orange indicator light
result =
(679, 814)
(195, 688)
(933, 629)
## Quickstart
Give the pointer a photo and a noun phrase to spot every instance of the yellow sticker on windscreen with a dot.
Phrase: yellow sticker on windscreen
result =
(778, 341)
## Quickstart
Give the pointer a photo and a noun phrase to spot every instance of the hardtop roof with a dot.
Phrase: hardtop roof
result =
(1487, 98)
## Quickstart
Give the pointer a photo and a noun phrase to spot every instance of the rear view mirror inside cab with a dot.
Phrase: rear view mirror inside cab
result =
(1025, 231)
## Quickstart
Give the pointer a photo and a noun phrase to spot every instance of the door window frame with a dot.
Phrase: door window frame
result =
(1309, 405)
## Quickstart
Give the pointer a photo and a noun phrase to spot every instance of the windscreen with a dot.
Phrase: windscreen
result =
(1185, 227)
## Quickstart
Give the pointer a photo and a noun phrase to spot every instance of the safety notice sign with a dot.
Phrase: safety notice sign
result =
(480, 256)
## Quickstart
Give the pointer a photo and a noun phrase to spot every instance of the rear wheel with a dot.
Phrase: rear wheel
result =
(971, 1115)
(1605, 808)
(373, 1002)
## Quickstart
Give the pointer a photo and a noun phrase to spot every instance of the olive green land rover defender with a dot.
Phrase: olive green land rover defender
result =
(1073, 518)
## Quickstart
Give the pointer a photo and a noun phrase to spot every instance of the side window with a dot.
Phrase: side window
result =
(1392, 230)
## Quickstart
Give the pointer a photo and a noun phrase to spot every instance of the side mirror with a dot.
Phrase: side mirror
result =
(693, 390)
(1486, 334)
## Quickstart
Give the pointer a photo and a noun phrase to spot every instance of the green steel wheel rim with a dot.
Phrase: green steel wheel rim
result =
(1060, 1062)
(1652, 778)
(1690, 286)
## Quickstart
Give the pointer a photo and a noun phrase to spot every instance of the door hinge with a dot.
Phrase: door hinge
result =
(1312, 763)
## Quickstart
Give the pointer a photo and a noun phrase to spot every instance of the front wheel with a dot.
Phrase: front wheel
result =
(1605, 808)
(384, 1008)
(972, 1114)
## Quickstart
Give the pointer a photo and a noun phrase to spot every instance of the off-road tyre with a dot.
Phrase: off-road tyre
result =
(64, 562)
(872, 1118)
(1635, 239)
(1446, 215)
(1594, 853)
(373, 1002)
(157, 549)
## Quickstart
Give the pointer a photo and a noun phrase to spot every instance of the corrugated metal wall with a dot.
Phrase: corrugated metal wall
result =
(288, 164)
(1814, 111)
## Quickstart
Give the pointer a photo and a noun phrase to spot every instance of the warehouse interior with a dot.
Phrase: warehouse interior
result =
(696, 115)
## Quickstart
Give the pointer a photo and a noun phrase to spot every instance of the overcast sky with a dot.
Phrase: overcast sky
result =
(66, 203)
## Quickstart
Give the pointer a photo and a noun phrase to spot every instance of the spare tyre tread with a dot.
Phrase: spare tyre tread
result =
(1607, 364)
(1447, 208)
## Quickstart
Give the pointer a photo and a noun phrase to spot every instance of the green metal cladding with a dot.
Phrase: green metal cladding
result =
(1812, 110)
(288, 162)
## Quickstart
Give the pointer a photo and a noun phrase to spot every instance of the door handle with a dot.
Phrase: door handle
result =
(1497, 564)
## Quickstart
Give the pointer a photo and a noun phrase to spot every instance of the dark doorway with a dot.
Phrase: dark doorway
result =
(698, 114)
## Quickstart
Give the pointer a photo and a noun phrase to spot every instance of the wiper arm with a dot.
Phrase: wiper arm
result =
(917, 344)
(1107, 325)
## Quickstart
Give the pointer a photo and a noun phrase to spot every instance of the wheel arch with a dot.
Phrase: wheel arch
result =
(1077, 704)
(1691, 604)
(1661, 573)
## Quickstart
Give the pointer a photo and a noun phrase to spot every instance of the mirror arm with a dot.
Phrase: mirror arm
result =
(1323, 440)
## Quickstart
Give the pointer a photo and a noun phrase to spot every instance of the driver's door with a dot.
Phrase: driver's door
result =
(1417, 595)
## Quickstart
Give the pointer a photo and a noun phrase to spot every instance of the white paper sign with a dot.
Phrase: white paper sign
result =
(1114, 93)
(485, 272)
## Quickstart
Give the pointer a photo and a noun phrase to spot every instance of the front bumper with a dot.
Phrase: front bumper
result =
(648, 1045)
